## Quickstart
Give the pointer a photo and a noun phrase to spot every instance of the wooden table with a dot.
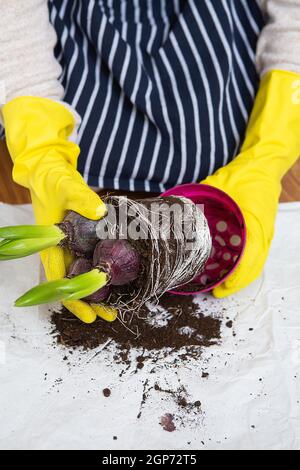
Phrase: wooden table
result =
(13, 194)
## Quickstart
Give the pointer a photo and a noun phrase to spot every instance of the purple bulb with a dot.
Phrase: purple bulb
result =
(119, 259)
(82, 266)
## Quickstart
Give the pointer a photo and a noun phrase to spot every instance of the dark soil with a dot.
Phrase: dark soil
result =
(177, 325)
(186, 326)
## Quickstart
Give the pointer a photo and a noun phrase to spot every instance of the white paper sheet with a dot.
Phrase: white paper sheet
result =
(251, 399)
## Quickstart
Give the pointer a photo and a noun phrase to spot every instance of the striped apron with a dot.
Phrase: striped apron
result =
(164, 87)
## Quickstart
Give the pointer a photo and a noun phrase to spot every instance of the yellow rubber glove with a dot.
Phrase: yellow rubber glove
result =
(253, 179)
(45, 161)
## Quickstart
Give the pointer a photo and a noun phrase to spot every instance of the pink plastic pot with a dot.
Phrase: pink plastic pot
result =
(228, 231)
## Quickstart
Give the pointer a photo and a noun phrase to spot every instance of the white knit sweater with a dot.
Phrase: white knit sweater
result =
(27, 39)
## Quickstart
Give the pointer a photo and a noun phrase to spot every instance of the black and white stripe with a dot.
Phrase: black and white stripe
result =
(164, 87)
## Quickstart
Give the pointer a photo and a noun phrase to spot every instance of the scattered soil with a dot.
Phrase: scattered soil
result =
(107, 392)
(163, 337)
(176, 322)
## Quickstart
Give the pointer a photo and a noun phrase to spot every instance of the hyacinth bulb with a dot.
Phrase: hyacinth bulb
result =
(119, 259)
(81, 266)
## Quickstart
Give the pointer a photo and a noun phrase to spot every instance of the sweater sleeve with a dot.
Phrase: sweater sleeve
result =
(27, 62)
(279, 43)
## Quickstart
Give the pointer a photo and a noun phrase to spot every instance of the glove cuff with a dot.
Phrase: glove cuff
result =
(273, 131)
(36, 127)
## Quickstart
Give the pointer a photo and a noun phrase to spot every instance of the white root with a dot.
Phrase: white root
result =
(167, 270)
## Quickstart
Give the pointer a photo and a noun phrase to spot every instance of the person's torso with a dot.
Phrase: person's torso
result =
(164, 87)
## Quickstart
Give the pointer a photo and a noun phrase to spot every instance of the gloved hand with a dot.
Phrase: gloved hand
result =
(37, 132)
(253, 179)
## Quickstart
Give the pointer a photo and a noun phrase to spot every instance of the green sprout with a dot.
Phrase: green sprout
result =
(25, 240)
(64, 289)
